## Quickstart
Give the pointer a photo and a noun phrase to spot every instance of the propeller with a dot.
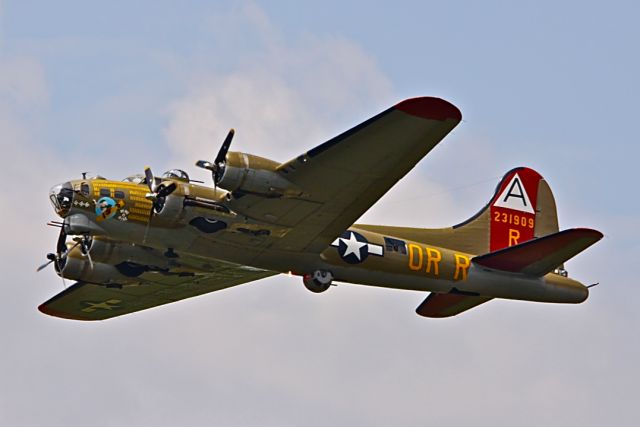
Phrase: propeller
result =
(218, 165)
(85, 247)
(59, 258)
(51, 257)
(157, 193)
(61, 251)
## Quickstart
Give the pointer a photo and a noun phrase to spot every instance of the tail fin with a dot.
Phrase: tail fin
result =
(522, 208)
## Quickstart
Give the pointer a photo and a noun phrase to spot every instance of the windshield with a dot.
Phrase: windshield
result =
(176, 174)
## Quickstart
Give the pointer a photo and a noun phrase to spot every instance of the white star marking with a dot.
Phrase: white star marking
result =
(353, 246)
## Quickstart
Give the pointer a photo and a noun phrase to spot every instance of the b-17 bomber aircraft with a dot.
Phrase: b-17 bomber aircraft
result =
(146, 241)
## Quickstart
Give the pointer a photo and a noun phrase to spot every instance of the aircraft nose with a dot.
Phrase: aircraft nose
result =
(61, 197)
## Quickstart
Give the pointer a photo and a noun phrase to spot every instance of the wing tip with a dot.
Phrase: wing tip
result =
(431, 314)
(430, 108)
(589, 232)
(43, 308)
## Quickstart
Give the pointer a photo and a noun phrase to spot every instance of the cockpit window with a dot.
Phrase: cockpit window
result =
(104, 192)
(118, 194)
(176, 174)
(84, 189)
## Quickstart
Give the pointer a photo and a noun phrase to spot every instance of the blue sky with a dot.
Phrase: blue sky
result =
(113, 87)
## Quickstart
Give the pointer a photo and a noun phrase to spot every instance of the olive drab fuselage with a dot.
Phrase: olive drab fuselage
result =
(120, 211)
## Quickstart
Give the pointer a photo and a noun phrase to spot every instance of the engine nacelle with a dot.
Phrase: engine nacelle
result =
(247, 173)
(80, 269)
(318, 281)
(111, 263)
(110, 252)
(171, 208)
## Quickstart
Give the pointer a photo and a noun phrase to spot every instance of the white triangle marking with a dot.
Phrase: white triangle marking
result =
(514, 196)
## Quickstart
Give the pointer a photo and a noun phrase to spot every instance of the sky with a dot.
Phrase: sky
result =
(113, 86)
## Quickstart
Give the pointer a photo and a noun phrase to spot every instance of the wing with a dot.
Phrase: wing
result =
(90, 301)
(447, 305)
(343, 177)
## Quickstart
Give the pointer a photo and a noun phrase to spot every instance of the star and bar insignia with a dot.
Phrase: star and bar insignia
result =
(354, 248)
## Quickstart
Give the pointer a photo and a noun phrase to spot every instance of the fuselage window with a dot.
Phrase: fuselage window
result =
(84, 189)
(395, 245)
(105, 192)
(118, 194)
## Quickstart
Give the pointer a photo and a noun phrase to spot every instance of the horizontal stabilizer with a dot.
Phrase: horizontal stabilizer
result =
(540, 256)
(447, 305)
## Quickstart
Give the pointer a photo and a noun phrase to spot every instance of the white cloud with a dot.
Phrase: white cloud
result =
(283, 99)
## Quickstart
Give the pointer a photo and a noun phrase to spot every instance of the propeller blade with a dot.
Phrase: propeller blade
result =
(222, 154)
(164, 191)
(149, 178)
(146, 229)
(64, 255)
(61, 250)
(85, 248)
(204, 164)
(59, 268)
(61, 246)
(43, 266)
(88, 255)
